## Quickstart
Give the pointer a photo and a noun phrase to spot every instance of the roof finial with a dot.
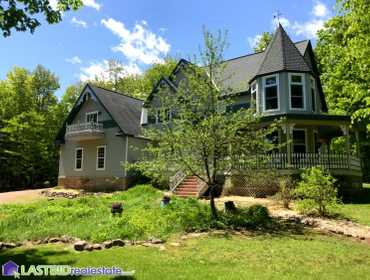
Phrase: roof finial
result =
(277, 16)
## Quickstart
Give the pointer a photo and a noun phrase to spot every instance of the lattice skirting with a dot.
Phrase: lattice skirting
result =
(245, 186)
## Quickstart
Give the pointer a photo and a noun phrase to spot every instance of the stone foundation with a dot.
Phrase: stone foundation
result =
(95, 183)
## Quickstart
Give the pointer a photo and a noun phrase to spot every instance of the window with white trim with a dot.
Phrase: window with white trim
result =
(271, 93)
(92, 117)
(254, 93)
(299, 141)
(296, 89)
(100, 157)
(313, 95)
(79, 154)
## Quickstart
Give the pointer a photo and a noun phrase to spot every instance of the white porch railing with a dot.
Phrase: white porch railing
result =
(299, 160)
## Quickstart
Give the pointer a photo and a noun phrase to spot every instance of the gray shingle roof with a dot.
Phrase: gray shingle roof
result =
(125, 110)
(282, 55)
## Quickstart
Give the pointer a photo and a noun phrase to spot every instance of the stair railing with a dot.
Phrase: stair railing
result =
(176, 180)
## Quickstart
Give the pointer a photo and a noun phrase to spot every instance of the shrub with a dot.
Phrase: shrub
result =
(316, 192)
(286, 190)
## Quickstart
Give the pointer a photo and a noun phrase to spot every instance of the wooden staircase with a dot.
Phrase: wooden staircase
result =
(189, 187)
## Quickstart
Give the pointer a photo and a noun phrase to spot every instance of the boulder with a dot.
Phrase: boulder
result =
(9, 245)
(1, 245)
(54, 240)
(156, 241)
(118, 242)
(107, 244)
(97, 246)
(80, 245)
(89, 247)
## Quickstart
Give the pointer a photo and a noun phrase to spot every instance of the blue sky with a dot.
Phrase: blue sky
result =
(138, 33)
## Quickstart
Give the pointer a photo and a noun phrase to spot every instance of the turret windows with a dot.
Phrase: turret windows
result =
(313, 95)
(296, 91)
(271, 93)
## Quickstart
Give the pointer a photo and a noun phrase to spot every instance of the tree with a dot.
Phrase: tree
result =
(343, 53)
(263, 41)
(22, 15)
(197, 134)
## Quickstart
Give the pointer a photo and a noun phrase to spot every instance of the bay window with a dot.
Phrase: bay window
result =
(296, 90)
(271, 93)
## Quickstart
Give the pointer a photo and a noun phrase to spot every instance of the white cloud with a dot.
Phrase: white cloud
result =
(74, 60)
(139, 45)
(309, 28)
(320, 10)
(253, 41)
(54, 4)
(92, 4)
(282, 20)
(78, 22)
(101, 70)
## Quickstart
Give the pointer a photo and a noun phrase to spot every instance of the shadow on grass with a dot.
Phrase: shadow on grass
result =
(32, 256)
(359, 196)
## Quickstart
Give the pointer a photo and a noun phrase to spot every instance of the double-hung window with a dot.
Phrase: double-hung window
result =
(100, 157)
(296, 89)
(92, 117)
(79, 155)
(299, 141)
(271, 93)
(254, 95)
(313, 95)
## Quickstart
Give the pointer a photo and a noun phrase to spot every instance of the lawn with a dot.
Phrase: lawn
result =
(217, 257)
(89, 217)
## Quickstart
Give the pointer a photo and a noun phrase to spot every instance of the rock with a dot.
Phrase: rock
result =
(89, 247)
(54, 240)
(97, 246)
(175, 244)
(156, 241)
(1, 245)
(138, 242)
(79, 245)
(149, 244)
(107, 244)
(118, 242)
(362, 238)
(9, 245)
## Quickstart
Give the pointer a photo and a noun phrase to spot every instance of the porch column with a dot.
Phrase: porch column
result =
(288, 130)
(345, 131)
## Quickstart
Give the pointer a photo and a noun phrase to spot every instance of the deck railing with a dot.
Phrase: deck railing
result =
(299, 160)
(82, 127)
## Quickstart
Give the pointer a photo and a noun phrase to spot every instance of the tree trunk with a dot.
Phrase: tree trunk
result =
(212, 202)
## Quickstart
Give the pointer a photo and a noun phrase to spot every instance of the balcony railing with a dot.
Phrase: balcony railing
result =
(298, 161)
(82, 131)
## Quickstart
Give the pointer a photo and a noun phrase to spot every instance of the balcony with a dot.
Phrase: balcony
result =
(84, 131)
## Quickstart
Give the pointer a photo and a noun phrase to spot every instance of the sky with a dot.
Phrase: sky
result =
(139, 33)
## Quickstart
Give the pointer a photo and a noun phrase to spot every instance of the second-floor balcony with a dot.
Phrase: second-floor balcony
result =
(84, 131)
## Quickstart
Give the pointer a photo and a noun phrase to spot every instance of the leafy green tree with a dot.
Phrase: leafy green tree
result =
(343, 53)
(197, 135)
(23, 15)
(263, 42)
(316, 192)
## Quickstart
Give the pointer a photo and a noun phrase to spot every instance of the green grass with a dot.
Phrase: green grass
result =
(359, 213)
(89, 217)
(234, 257)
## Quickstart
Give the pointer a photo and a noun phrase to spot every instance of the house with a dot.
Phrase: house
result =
(281, 82)
(99, 137)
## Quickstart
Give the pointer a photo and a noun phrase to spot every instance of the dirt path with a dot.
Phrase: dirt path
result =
(21, 196)
(342, 227)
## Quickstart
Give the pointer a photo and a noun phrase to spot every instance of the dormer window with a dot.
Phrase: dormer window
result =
(92, 117)
(271, 93)
(296, 91)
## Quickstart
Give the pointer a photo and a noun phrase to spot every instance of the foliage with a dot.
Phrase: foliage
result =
(343, 53)
(316, 192)
(286, 190)
(23, 15)
(139, 85)
(197, 133)
(263, 42)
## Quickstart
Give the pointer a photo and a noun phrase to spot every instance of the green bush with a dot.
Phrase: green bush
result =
(316, 192)
(252, 217)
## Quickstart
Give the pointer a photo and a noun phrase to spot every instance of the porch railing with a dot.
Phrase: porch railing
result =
(81, 127)
(299, 160)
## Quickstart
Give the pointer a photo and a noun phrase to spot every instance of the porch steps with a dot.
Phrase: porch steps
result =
(188, 187)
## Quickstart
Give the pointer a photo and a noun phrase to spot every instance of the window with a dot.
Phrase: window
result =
(79, 154)
(254, 94)
(236, 107)
(296, 90)
(271, 93)
(299, 141)
(100, 158)
(92, 117)
(313, 95)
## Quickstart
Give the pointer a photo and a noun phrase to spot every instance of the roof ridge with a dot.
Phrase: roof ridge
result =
(117, 92)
